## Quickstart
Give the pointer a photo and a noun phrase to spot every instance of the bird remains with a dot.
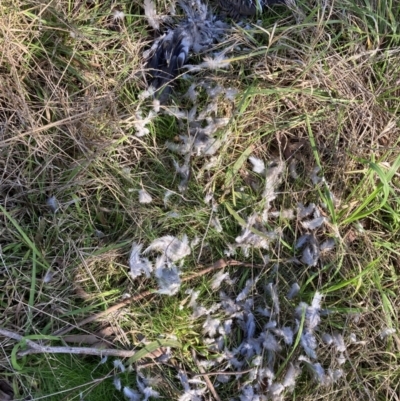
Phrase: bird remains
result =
(196, 33)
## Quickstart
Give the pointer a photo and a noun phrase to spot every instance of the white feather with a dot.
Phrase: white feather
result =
(117, 383)
(386, 332)
(151, 14)
(168, 279)
(314, 223)
(338, 342)
(271, 289)
(218, 279)
(294, 290)
(53, 204)
(258, 164)
(211, 326)
(270, 343)
(304, 211)
(290, 376)
(132, 395)
(119, 365)
(327, 245)
(173, 248)
(309, 344)
(137, 264)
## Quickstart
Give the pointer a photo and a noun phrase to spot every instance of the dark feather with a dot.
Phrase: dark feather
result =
(195, 33)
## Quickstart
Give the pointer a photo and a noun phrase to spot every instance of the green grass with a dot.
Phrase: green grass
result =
(318, 86)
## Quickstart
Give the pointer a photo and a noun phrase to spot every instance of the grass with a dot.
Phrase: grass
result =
(317, 86)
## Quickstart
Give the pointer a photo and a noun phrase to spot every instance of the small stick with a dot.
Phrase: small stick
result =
(121, 353)
(222, 372)
(220, 264)
(206, 378)
(36, 348)
(18, 337)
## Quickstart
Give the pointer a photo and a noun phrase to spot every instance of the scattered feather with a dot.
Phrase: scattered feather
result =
(314, 175)
(250, 326)
(150, 12)
(53, 204)
(258, 164)
(117, 383)
(272, 179)
(270, 343)
(333, 375)
(309, 344)
(118, 15)
(48, 276)
(338, 342)
(218, 279)
(271, 289)
(275, 389)
(316, 370)
(302, 241)
(310, 254)
(292, 373)
(327, 245)
(327, 339)
(223, 378)
(210, 63)
(168, 279)
(318, 373)
(211, 326)
(293, 169)
(294, 290)
(314, 223)
(246, 290)
(184, 173)
(140, 123)
(132, 395)
(216, 224)
(231, 93)
(341, 359)
(248, 394)
(353, 338)
(283, 214)
(167, 195)
(386, 332)
(228, 326)
(99, 234)
(191, 93)
(271, 325)
(173, 248)
(304, 211)
(146, 390)
(313, 312)
(119, 365)
(286, 333)
(137, 264)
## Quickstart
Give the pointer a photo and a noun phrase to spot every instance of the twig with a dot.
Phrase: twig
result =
(220, 264)
(224, 372)
(36, 348)
(121, 353)
(206, 378)
(18, 337)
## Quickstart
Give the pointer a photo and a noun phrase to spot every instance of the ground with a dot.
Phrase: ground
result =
(114, 216)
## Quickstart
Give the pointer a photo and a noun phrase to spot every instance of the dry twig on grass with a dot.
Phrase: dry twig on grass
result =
(35, 348)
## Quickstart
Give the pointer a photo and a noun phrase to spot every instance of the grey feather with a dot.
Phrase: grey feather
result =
(194, 34)
(197, 32)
